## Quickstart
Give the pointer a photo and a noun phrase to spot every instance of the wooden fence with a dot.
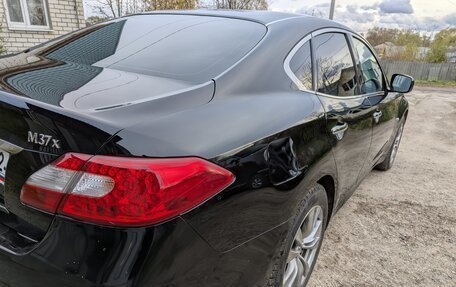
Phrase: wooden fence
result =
(421, 70)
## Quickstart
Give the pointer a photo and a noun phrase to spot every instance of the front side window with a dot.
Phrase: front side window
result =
(301, 66)
(27, 14)
(336, 73)
(371, 75)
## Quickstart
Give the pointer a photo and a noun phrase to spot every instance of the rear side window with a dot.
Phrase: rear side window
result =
(301, 65)
(336, 73)
(371, 74)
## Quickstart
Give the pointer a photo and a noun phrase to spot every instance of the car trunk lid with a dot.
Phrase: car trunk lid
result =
(34, 133)
(31, 137)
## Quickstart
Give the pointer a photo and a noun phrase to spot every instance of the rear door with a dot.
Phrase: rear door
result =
(349, 115)
(373, 85)
(31, 137)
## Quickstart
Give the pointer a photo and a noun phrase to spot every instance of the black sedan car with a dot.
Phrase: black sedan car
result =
(195, 148)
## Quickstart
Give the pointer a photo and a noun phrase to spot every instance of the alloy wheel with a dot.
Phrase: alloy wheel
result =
(303, 252)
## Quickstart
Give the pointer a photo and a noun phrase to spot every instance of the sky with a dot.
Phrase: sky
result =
(420, 15)
(361, 15)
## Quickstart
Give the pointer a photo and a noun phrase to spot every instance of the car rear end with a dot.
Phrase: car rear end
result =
(32, 137)
(31, 240)
(77, 209)
(69, 217)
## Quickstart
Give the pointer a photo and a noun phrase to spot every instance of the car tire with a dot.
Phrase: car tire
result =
(314, 204)
(388, 162)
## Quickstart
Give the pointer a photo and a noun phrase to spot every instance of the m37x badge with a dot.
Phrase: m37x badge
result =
(43, 140)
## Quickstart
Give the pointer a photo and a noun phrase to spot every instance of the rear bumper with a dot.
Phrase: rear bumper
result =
(171, 254)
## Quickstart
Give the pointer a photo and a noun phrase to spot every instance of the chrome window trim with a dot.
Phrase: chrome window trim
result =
(331, 30)
(308, 37)
(285, 19)
(287, 68)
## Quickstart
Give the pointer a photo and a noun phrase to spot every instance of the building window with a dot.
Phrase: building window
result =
(27, 14)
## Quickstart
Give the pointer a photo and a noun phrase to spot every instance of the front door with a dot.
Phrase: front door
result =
(373, 86)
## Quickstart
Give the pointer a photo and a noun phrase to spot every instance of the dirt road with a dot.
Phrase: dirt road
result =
(399, 228)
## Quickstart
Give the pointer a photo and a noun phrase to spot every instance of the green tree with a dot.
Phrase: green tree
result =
(408, 37)
(409, 53)
(405, 46)
(440, 44)
(377, 35)
(437, 54)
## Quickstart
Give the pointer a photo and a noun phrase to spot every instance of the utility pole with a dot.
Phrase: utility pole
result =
(331, 11)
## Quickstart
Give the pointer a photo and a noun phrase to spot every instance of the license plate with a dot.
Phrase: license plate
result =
(4, 157)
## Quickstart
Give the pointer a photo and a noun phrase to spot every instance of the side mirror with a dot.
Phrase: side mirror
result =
(402, 83)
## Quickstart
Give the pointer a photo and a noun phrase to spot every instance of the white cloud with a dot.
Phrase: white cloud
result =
(450, 19)
(315, 10)
(364, 17)
(396, 7)
(372, 6)
(362, 14)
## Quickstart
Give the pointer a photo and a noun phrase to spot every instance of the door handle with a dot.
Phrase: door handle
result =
(377, 115)
(339, 130)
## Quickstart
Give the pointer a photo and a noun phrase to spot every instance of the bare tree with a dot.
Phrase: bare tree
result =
(117, 8)
(151, 5)
(109, 8)
(240, 4)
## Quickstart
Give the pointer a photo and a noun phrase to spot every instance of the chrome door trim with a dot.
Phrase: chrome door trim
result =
(339, 130)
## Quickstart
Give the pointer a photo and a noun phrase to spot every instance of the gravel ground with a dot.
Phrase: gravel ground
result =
(399, 228)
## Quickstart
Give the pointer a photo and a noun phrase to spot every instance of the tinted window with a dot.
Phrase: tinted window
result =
(301, 65)
(194, 51)
(182, 47)
(371, 75)
(335, 69)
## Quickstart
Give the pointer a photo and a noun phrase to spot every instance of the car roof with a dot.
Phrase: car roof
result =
(260, 16)
(264, 17)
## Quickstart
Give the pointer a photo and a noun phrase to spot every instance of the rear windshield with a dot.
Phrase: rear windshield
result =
(181, 47)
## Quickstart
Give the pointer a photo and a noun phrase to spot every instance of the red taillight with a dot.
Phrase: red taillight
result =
(124, 191)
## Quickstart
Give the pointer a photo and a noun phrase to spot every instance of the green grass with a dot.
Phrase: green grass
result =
(437, 83)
